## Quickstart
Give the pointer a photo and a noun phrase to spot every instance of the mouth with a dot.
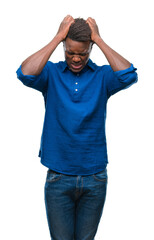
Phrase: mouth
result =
(76, 66)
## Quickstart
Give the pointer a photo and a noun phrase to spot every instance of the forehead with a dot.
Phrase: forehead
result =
(75, 46)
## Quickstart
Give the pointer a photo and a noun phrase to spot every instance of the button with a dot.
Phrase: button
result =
(77, 74)
(76, 89)
(76, 83)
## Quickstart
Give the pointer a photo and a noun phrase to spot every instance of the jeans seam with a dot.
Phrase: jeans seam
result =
(100, 180)
(53, 179)
(82, 185)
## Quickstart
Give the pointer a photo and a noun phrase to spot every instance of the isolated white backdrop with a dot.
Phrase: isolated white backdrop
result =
(126, 26)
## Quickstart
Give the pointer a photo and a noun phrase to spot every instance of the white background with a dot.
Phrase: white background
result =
(127, 27)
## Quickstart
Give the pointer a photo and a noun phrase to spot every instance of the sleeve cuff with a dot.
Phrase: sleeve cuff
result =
(123, 72)
(20, 75)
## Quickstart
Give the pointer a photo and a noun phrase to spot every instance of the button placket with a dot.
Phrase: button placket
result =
(76, 88)
(76, 83)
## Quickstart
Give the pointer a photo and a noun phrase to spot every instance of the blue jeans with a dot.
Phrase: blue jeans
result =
(74, 204)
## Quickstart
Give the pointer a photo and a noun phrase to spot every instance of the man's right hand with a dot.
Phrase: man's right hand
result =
(64, 27)
(34, 64)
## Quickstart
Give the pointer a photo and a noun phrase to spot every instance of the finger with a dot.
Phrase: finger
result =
(89, 23)
(70, 20)
(69, 17)
(90, 19)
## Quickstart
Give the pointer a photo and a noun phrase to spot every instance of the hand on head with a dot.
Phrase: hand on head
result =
(64, 26)
(94, 28)
(67, 22)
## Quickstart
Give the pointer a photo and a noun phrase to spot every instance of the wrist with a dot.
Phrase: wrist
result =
(58, 38)
(97, 39)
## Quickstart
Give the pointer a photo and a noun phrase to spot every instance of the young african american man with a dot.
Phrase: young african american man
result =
(73, 141)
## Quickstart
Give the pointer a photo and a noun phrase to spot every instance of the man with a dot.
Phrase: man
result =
(73, 142)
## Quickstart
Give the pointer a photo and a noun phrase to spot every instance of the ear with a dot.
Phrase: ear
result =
(64, 44)
(91, 45)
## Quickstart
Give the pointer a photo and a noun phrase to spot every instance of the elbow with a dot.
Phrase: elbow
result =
(129, 78)
(28, 68)
(134, 77)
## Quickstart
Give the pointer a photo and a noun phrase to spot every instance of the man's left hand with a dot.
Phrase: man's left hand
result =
(94, 29)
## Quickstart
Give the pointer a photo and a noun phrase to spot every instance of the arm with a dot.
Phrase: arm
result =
(121, 73)
(116, 61)
(34, 64)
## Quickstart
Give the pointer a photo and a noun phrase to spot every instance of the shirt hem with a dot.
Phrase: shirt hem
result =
(71, 174)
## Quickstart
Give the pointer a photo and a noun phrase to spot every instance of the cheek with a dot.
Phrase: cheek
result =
(67, 59)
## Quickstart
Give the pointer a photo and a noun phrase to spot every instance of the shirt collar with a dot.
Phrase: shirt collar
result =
(89, 64)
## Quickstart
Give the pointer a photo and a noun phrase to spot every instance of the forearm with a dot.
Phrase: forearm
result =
(34, 64)
(116, 61)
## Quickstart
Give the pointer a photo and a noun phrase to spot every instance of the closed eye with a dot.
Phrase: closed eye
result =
(80, 54)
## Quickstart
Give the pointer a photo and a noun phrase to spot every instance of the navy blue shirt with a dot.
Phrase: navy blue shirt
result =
(73, 139)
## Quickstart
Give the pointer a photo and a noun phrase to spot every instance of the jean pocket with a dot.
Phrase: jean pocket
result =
(53, 176)
(101, 176)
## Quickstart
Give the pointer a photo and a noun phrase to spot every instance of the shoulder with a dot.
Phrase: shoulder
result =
(61, 65)
(103, 68)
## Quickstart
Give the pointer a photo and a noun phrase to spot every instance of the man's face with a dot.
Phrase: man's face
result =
(77, 54)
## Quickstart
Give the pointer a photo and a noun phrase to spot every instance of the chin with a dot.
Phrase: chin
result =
(75, 70)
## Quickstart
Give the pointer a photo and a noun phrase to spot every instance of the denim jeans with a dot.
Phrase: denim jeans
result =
(74, 204)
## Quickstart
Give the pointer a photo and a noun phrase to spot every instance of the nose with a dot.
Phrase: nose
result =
(76, 58)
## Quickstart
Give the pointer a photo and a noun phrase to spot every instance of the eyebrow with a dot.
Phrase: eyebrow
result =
(71, 52)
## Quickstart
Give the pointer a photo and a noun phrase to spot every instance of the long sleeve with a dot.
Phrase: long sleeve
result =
(116, 81)
(39, 82)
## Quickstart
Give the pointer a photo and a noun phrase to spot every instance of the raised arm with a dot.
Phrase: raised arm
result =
(34, 64)
(116, 61)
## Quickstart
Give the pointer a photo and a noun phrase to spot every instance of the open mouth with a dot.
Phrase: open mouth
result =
(76, 67)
